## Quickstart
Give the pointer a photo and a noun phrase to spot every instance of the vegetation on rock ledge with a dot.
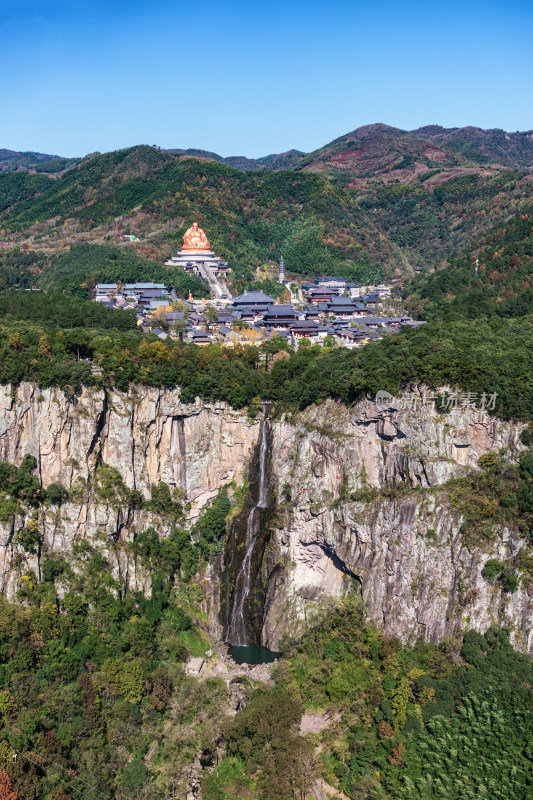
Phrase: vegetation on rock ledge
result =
(49, 339)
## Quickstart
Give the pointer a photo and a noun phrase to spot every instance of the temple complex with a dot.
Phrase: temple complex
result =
(196, 254)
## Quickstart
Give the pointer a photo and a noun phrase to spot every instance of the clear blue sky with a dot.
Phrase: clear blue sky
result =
(255, 78)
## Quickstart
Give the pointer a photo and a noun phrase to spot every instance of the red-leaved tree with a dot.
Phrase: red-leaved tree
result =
(6, 787)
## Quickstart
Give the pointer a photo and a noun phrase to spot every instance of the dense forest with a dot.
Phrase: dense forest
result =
(502, 287)
(79, 268)
(94, 700)
(321, 222)
(250, 218)
(430, 222)
(53, 340)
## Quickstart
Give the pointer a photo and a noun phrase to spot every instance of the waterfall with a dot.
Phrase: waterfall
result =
(237, 634)
(263, 499)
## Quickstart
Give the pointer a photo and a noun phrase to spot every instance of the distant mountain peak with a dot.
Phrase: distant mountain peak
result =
(5, 154)
(431, 130)
(32, 161)
(374, 129)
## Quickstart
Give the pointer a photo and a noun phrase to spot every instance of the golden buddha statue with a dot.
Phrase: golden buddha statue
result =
(195, 239)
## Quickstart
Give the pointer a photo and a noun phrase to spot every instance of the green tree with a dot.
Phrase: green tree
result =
(211, 314)
(134, 775)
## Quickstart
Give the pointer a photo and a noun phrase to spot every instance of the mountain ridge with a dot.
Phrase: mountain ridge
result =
(482, 145)
(474, 144)
(376, 203)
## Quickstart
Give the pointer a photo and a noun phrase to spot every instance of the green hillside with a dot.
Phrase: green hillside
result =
(433, 216)
(374, 150)
(78, 268)
(503, 286)
(377, 149)
(11, 160)
(425, 197)
(250, 218)
(484, 146)
(322, 220)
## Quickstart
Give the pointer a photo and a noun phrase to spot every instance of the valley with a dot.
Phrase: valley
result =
(278, 568)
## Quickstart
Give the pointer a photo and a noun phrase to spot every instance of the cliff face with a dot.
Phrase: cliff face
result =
(406, 554)
(149, 436)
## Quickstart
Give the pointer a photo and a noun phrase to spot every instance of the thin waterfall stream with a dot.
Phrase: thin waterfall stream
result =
(237, 632)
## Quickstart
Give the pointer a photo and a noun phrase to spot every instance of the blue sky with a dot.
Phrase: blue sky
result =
(255, 78)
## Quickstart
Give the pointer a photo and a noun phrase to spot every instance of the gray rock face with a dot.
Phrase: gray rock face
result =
(406, 555)
(416, 576)
(148, 435)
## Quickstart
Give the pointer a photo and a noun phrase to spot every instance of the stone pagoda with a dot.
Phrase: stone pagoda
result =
(196, 254)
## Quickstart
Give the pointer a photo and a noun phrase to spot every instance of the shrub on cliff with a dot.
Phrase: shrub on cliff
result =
(56, 493)
(492, 569)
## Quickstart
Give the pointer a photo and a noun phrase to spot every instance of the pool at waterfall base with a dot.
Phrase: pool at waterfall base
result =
(250, 654)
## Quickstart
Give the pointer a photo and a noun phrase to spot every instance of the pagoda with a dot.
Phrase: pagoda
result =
(196, 254)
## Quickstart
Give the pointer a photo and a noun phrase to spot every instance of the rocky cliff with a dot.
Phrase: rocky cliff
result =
(148, 435)
(406, 553)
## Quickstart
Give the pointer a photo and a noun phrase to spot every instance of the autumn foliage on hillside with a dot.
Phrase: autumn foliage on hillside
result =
(6, 787)
(503, 285)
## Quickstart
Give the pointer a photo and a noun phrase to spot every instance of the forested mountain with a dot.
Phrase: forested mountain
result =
(273, 161)
(378, 149)
(113, 556)
(239, 162)
(374, 149)
(11, 160)
(250, 218)
(453, 146)
(374, 203)
(503, 285)
(493, 146)
(76, 269)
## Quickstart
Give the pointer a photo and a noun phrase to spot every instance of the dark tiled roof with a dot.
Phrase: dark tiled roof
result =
(280, 311)
(252, 298)
(250, 310)
(145, 286)
(308, 324)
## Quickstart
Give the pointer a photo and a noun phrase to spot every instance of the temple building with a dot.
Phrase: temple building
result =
(196, 254)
